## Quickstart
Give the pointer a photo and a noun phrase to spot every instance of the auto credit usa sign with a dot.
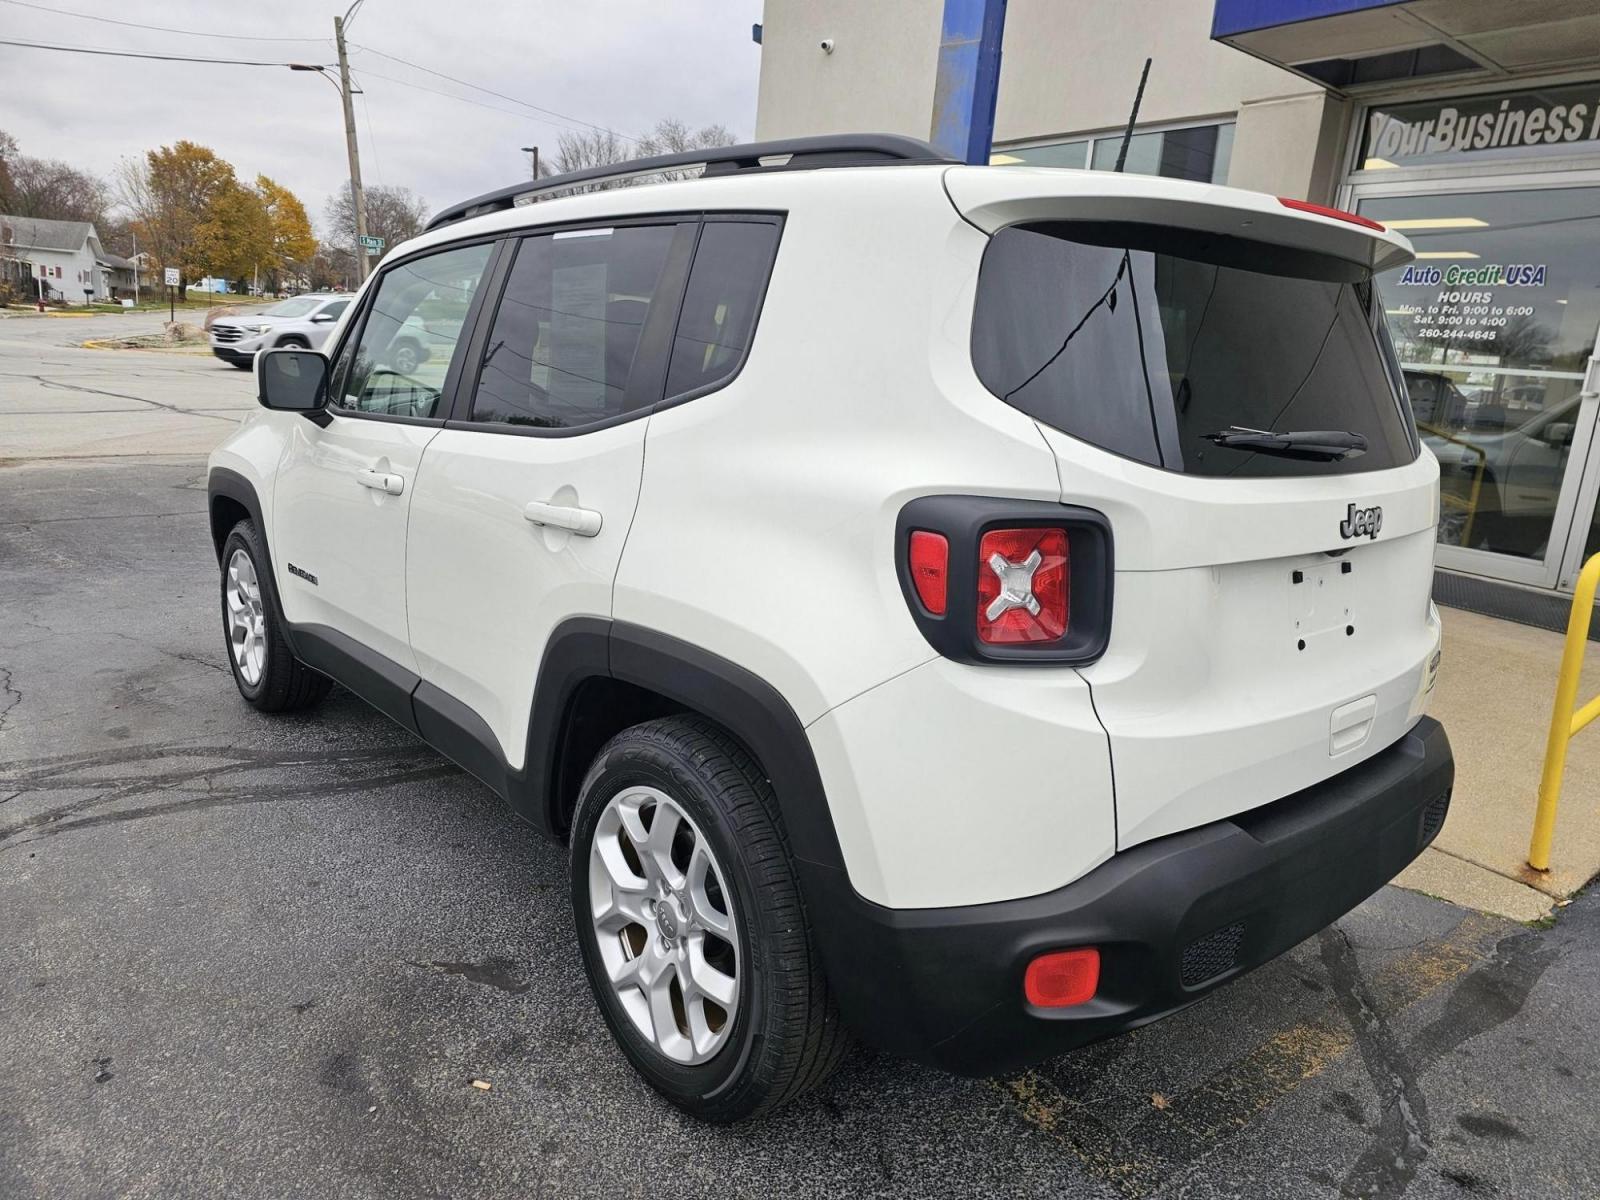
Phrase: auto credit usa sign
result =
(1541, 123)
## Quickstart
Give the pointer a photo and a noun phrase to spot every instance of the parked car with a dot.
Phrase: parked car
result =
(304, 321)
(978, 611)
(1501, 483)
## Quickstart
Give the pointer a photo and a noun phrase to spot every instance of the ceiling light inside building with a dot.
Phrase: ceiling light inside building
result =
(1446, 254)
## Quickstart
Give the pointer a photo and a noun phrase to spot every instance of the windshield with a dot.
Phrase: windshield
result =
(1144, 340)
(300, 306)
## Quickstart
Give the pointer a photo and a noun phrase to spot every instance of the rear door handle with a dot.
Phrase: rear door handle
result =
(584, 522)
(381, 481)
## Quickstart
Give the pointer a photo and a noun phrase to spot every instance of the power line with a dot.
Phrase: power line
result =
(491, 92)
(232, 37)
(505, 112)
(227, 62)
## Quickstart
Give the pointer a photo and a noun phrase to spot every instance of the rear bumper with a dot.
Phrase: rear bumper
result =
(1173, 918)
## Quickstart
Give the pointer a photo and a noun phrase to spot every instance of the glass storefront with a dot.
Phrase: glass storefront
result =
(1494, 324)
(1496, 320)
(1198, 152)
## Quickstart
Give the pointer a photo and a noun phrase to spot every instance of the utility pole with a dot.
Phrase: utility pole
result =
(358, 197)
(533, 150)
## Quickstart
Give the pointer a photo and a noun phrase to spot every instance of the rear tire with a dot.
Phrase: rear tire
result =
(268, 675)
(779, 1034)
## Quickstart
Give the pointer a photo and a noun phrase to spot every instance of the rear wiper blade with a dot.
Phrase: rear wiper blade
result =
(1315, 445)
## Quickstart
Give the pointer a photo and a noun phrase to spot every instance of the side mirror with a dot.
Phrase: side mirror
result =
(324, 319)
(1559, 433)
(292, 380)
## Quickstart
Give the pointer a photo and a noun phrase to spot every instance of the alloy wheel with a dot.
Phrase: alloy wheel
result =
(247, 621)
(664, 923)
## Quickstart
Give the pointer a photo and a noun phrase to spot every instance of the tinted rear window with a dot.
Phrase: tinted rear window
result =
(1142, 339)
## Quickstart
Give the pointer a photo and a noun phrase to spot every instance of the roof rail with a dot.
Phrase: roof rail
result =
(832, 150)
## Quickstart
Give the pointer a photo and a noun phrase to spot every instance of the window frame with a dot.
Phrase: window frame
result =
(666, 311)
(448, 394)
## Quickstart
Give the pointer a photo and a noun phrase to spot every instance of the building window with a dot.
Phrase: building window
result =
(1198, 152)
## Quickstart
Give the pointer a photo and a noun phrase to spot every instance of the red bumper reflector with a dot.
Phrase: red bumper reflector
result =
(1063, 978)
(929, 557)
(1338, 214)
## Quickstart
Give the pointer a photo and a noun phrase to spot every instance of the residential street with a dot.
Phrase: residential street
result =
(267, 957)
(59, 401)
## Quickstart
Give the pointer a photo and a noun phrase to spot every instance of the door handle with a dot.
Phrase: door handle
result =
(584, 522)
(382, 481)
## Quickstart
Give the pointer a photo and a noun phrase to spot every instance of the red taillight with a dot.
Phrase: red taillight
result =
(1062, 978)
(1022, 586)
(1322, 210)
(929, 557)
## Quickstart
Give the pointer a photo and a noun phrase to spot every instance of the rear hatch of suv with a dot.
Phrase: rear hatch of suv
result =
(1211, 370)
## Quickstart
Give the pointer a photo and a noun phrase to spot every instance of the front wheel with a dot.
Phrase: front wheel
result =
(692, 928)
(267, 674)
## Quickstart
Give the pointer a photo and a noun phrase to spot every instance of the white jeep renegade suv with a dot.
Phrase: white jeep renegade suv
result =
(982, 609)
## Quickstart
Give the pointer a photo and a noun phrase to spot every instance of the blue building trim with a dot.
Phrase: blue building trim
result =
(968, 78)
(1229, 18)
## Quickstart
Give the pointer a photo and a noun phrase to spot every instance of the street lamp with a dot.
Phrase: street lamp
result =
(533, 150)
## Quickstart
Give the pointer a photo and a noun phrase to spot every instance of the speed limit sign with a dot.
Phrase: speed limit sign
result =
(172, 277)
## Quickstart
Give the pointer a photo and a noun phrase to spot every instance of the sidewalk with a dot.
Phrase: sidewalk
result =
(1496, 685)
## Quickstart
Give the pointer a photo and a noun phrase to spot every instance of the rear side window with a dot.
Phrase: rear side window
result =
(1143, 339)
(726, 285)
(562, 348)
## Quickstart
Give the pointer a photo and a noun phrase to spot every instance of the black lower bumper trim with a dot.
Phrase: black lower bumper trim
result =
(229, 355)
(1173, 918)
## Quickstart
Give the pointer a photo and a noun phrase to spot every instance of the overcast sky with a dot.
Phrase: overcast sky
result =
(622, 64)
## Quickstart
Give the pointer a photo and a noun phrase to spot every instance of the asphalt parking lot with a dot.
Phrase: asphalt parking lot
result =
(262, 957)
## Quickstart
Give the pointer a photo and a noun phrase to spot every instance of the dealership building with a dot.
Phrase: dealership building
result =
(1473, 126)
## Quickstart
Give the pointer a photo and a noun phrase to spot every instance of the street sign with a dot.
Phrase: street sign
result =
(372, 245)
(172, 276)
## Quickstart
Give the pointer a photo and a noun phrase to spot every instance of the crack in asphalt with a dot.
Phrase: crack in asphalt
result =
(1405, 1137)
(493, 972)
(25, 524)
(1487, 997)
(10, 696)
(76, 387)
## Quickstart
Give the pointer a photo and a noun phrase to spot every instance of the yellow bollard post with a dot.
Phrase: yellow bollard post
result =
(1564, 722)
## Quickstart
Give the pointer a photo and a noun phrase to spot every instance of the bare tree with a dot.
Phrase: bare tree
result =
(393, 213)
(8, 155)
(602, 147)
(48, 189)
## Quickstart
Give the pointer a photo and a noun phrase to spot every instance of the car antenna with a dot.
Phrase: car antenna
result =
(1127, 134)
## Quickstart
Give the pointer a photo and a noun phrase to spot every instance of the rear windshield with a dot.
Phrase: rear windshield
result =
(1142, 339)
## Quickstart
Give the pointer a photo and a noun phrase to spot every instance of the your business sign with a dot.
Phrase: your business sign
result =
(1545, 122)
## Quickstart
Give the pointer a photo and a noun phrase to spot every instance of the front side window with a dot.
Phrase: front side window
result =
(564, 343)
(1150, 342)
(397, 366)
(334, 310)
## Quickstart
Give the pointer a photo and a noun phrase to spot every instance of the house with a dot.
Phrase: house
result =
(67, 260)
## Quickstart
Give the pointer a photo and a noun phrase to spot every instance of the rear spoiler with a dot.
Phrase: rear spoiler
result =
(994, 197)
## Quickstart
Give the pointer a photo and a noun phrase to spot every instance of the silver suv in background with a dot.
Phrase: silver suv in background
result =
(303, 321)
